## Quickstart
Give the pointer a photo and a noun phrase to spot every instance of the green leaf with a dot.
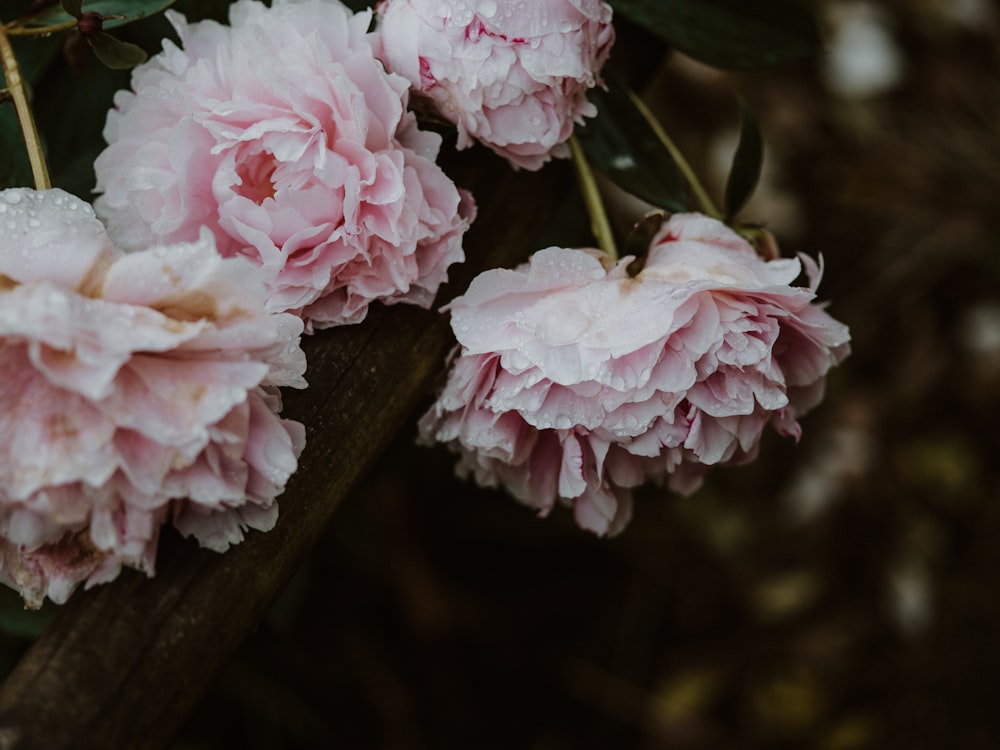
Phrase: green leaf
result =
(115, 53)
(620, 143)
(730, 34)
(72, 7)
(115, 12)
(747, 162)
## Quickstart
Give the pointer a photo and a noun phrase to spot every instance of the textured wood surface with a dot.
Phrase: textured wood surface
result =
(124, 664)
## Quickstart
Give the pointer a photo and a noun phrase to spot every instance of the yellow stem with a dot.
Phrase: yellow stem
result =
(599, 223)
(15, 85)
(696, 187)
(15, 28)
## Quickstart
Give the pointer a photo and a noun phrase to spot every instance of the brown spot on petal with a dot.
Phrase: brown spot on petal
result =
(193, 306)
(172, 275)
(60, 428)
(76, 550)
(74, 555)
(7, 283)
(629, 284)
(93, 283)
(197, 393)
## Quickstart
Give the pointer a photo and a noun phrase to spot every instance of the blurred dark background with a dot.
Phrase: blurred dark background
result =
(837, 594)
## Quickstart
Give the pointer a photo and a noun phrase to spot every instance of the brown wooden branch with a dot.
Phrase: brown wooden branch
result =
(124, 664)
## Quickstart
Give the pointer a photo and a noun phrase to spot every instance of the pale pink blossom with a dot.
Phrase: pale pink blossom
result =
(135, 389)
(512, 74)
(285, 137)
(575, 382)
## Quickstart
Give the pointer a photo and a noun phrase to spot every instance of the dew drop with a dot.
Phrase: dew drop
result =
(34, 223)
(13, 197)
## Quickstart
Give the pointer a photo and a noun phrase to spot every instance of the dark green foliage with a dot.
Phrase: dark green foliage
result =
(730, 34)
(621, 144)
(116, 12)
(115, 53)
(747, 163)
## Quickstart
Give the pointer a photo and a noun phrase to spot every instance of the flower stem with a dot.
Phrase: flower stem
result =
(15, 85)
(599, 223)
(696, 187)
(14, 28)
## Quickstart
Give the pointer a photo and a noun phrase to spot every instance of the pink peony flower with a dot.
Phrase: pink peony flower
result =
(577, 382)
(135, 389)
(286, 137)
(509, 73)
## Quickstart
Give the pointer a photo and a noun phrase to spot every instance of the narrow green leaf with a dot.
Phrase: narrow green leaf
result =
(115, 12)
(747, 162)
(72, 7)
(620, 143)
(115, 53)
(730, 34)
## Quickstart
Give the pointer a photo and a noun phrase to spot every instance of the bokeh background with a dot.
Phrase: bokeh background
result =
(837, 594)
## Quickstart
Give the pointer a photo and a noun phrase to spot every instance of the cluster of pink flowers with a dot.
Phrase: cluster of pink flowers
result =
(265, 179)
(576, 382)
(509, 74)
(136, 389)
(285, 136)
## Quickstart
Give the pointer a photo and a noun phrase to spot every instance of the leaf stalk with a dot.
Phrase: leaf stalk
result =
(599, 224)
(16, 89)
(706, 203)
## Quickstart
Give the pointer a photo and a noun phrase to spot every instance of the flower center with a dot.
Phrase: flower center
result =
(255, 171)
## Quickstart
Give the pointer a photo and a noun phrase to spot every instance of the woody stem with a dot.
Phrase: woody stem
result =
(15, 86)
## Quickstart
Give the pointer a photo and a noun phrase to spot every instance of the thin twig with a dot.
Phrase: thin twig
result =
(15, 86)
(599, 223)
(17, 29)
